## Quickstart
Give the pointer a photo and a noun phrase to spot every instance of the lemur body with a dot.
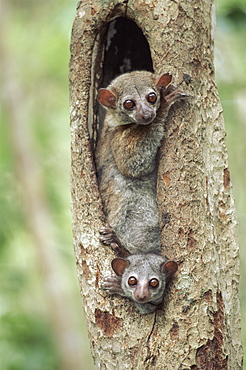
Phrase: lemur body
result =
(137, 106)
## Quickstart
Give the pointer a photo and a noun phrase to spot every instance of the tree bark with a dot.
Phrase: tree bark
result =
(199, 325)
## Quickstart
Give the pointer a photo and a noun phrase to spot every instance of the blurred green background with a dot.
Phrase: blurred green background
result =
(35, 39)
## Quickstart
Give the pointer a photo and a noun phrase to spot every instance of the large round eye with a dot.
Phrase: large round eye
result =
(152, 98)
(129, 104)
(154, 283)
(132, 281)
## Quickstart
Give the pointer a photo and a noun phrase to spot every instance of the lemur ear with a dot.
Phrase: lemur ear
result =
(164, 80)
(119, 264)
(169, 268)
(106, 98)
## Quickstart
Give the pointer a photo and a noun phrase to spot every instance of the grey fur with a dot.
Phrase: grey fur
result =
(126, 169)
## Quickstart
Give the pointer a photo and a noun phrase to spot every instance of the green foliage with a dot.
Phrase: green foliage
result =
(29, 346)
(230, 59)
(227, 8)
(26, 337)
(39, 36)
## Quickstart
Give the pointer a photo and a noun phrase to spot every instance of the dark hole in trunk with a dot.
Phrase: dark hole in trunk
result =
(122, 47)
(126, 50)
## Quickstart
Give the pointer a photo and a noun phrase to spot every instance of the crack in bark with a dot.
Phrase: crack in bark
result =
(149, 355)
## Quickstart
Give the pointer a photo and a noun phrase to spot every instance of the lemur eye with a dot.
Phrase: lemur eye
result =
(154, 283)
(152, 98)
(132, 281)
(129, 104)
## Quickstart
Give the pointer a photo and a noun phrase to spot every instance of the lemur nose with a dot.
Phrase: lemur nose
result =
(147, 116)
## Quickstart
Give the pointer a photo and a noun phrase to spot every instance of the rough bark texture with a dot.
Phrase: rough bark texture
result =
(199, 326)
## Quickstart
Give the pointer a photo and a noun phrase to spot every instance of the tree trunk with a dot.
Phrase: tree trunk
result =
(199, 325)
